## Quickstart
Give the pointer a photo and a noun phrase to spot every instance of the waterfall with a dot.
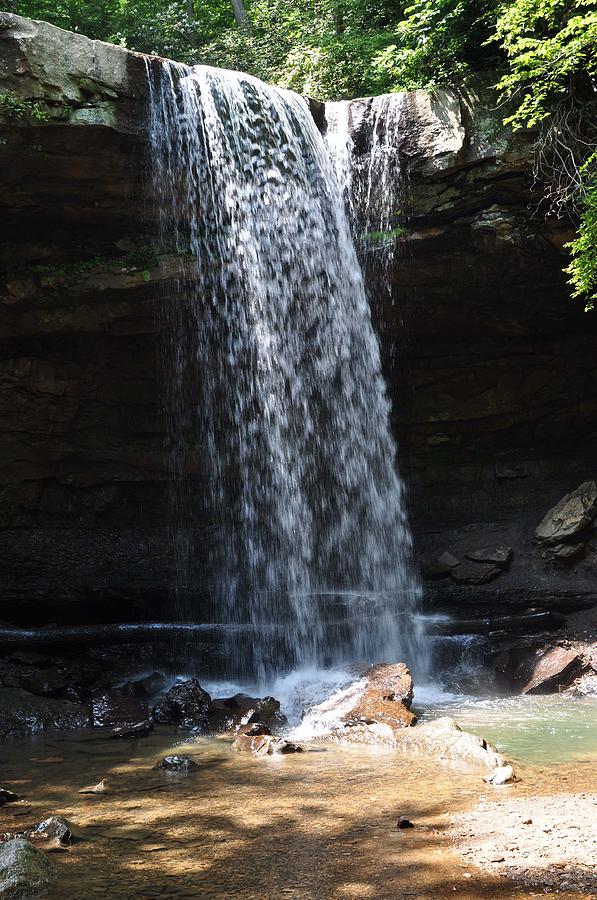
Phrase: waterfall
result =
(363, 137)
(282, 460)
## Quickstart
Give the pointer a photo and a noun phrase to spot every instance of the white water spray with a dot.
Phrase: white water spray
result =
(276, 401)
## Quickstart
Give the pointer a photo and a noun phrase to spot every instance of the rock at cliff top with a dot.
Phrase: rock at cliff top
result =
(553, 669)
(571, 515)
(24, 870)
(62, 67)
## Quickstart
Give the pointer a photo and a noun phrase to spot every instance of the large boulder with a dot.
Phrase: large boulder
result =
(381, 696)
(573, 514)
(24, 870)
(386, 699)
(231, 713)
(552, 670)
(113, 709)
(187, 705)
(444, 739)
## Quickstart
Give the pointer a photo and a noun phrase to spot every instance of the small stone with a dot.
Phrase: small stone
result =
(254, 728)
(403, 822)
(474, 573)
(100, 788)
(501, 775)
(258, 745)
(134, 730)
(178, 763)
(500, 555)
(7, 796)
(446, 559)
(286, 747)
(55, 827)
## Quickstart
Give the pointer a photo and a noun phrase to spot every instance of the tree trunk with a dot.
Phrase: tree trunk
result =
(240, 14)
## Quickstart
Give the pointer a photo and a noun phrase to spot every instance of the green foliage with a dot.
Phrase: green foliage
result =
(438, 41)
(583, 268)
(543, 51)
(385, 237)
(551, 46)
(16, 108)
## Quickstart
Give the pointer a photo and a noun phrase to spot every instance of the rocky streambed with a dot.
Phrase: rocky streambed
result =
(381, 809)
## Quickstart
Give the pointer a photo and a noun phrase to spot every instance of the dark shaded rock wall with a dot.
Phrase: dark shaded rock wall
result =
(490, 366)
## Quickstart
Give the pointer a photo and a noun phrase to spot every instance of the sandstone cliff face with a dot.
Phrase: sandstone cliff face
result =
(490, 366)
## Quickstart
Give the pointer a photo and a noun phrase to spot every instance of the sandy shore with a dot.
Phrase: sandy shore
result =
(544, 841)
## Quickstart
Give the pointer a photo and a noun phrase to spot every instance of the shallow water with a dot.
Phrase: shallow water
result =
(533, 729)
(315, 826)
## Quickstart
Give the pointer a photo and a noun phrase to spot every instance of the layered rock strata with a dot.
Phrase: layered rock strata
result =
(490, 366)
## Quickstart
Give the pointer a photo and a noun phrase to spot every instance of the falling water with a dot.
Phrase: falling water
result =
(278, 416)
(364, 139)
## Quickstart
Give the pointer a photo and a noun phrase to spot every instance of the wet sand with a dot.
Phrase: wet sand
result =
(314, 826)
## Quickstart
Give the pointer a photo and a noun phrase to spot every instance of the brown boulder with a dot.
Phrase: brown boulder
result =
(386, 698)
(257, 744)
(391, 681)
(373, 709)
(553, 669)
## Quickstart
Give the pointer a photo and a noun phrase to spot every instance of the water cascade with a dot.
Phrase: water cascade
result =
(363, 138)
(279, 442)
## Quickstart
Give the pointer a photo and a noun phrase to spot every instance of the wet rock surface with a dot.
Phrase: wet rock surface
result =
(386, 698)
(232, 713)
(22, 713)
(178, 763)
(444, 739)
(187, 705)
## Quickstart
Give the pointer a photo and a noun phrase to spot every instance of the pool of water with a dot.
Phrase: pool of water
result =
(532, 729)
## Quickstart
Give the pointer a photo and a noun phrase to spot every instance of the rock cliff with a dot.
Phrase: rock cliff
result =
(490, 366)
